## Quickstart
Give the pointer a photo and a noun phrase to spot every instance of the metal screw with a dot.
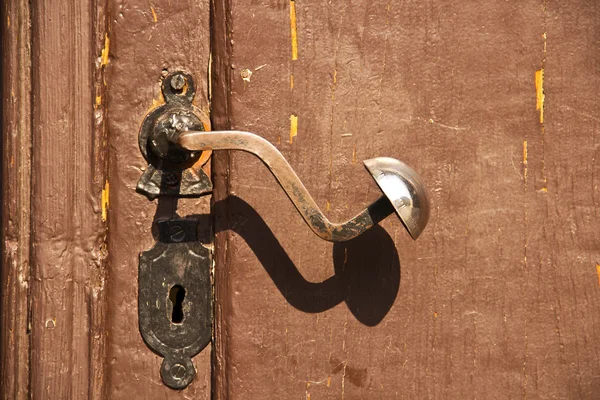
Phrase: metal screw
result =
(178, 82)
(178, 371)
(177, 234)
(171, 178)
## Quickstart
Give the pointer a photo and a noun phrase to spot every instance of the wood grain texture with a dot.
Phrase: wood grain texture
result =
(67, 231)
(16, 194)
(145, 39)
(498, 297)
(221, 79)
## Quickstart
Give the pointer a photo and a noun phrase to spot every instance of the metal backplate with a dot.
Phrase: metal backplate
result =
(174, 299)
(172, 171)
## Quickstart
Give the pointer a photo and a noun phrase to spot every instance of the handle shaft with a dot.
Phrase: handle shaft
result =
(289, 181)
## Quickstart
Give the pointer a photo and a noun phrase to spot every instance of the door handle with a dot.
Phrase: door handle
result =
(403, 190)
(174, 288)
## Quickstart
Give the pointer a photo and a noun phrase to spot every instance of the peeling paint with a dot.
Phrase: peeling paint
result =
(104, 201)
(293, 29)
(104, 55)
(246, 74)
(539, 93)
(293, 127)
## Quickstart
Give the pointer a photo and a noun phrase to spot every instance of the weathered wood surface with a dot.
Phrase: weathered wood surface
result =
(68, 177)
(499, 296)
(145, 39)
(69, 327)
(16, 197)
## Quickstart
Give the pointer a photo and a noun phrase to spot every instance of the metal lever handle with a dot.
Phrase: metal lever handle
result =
(404, 193)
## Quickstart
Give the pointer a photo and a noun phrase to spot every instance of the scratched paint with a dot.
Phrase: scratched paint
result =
(539, 93)
(104, 201)
(154, 16)
(293, 30)
(525, 160)
(293, 127)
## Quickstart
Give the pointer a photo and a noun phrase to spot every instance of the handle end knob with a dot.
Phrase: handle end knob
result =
(403, 187)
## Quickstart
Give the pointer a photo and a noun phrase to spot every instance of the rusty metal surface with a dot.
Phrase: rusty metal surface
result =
(498, 297)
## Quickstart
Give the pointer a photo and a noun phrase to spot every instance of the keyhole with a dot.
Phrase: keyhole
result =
(176, 295)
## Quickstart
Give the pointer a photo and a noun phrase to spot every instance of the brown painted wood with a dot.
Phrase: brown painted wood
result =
(498, 298)
(78, 78)
(67, 231)
(145, 39)
(16, 195)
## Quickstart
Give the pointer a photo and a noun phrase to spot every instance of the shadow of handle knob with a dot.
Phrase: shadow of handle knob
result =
(404, 193)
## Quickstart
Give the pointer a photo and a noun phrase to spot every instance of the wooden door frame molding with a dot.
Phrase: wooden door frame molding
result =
(16, 196)
(54, 230)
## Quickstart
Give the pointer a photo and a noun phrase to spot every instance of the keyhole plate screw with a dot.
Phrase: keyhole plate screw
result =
(178, 371)
(177, 233)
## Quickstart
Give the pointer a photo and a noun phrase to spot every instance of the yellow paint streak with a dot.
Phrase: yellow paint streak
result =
(335, 76)
(291, 81)
(293, 127)
(328, 381)
(154, 16)
(293, 30)
(525, 160)
(539, 93)
(598, 273)
(105, 201)
(8, 21)
(98, 101)
(104, 56)
(327, 206)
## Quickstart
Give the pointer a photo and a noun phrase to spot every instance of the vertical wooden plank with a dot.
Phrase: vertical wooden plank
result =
(497, 297)
(68, 234)
(16, 192)
(146, 38)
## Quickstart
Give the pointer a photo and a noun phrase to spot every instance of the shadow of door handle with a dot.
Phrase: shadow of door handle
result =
(404, 193)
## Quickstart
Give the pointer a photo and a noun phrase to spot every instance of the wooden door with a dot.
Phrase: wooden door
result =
(494, 104)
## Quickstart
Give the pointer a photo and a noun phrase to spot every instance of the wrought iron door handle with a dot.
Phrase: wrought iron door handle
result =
(404, 193)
